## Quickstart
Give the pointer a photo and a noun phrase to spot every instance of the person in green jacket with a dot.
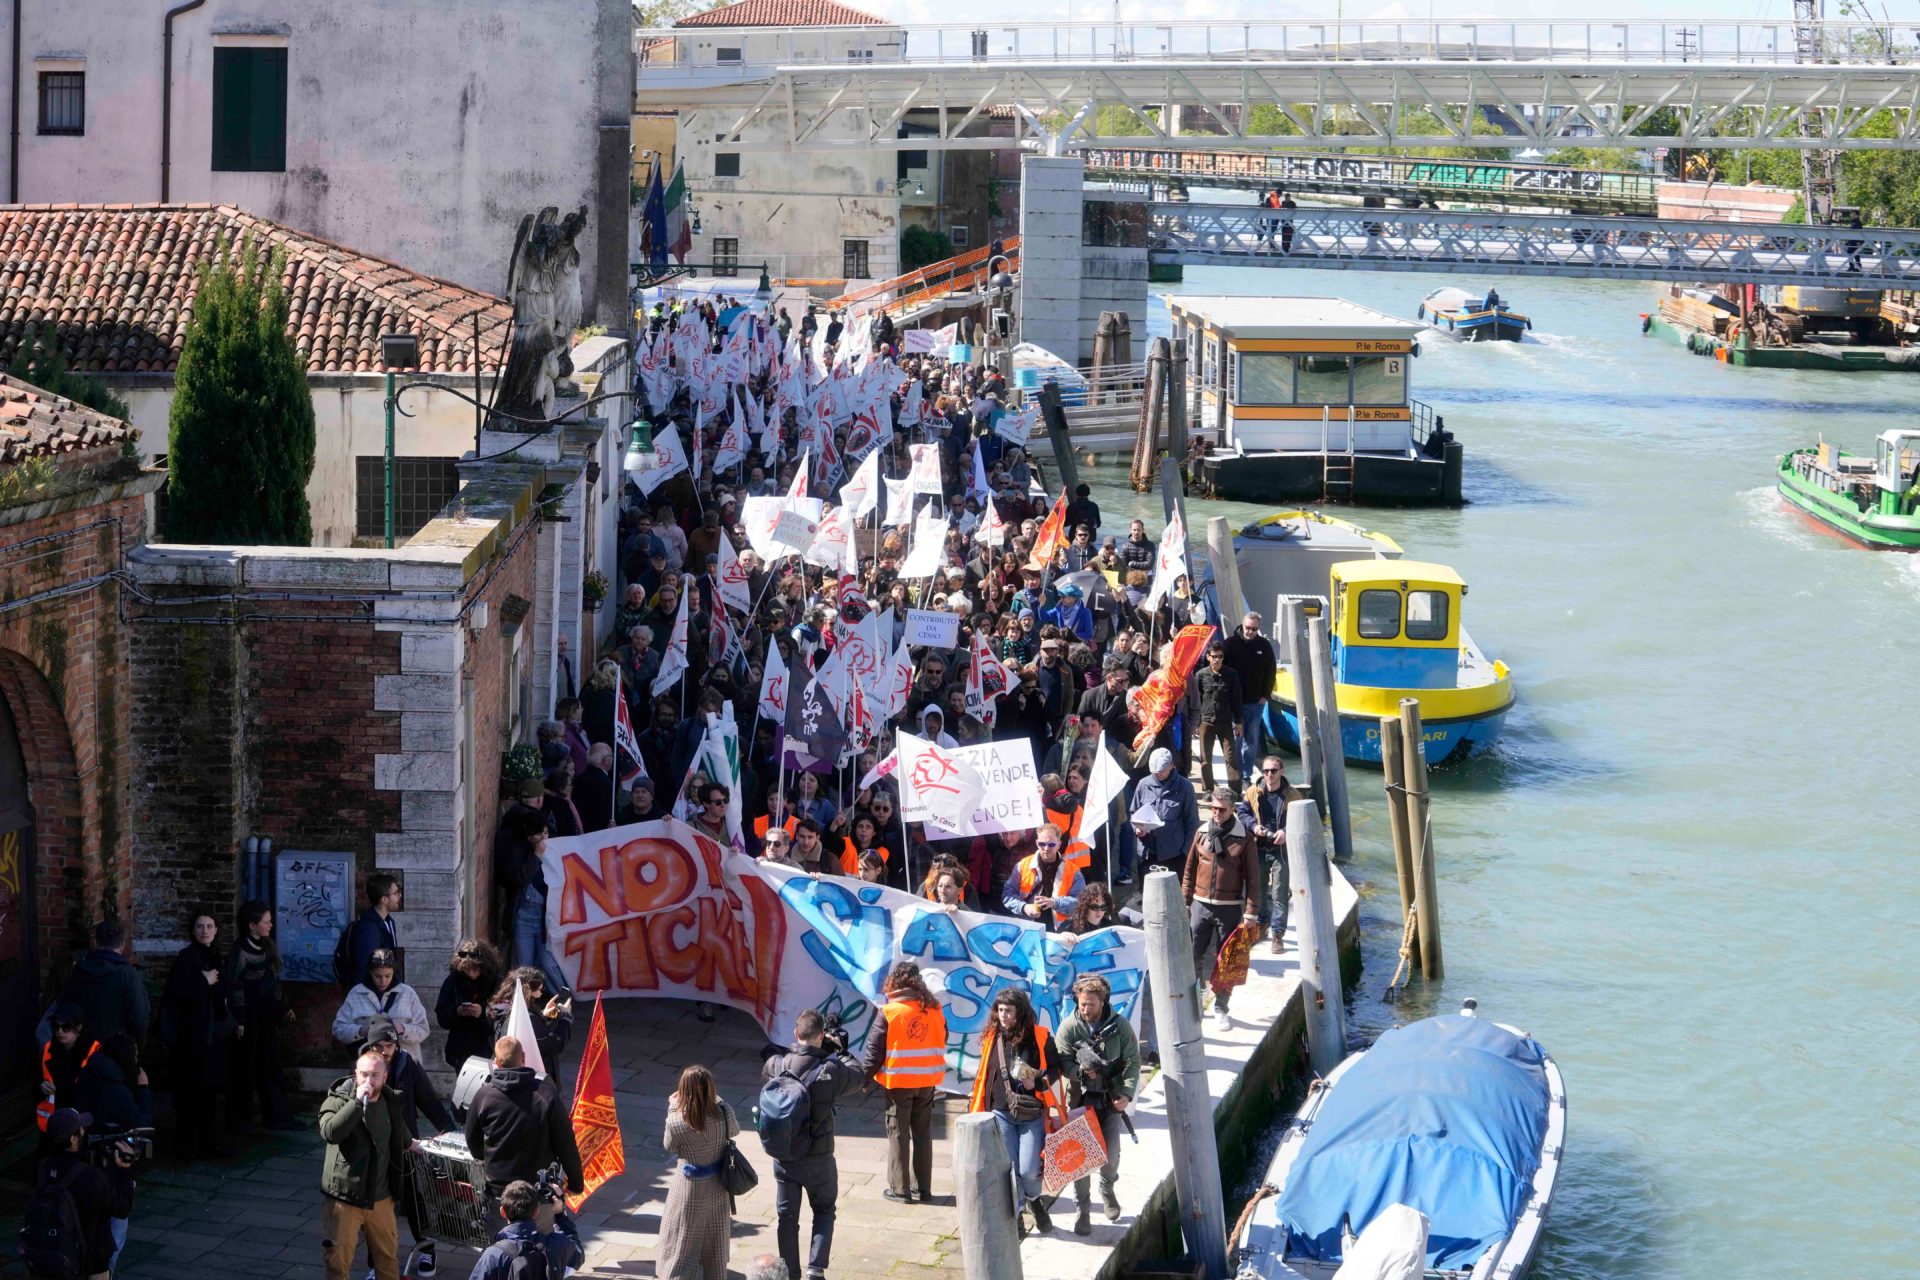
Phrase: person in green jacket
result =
(367, 1144)
(1100, 1061)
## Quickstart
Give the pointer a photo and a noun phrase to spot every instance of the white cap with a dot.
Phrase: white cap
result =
(1160, 759)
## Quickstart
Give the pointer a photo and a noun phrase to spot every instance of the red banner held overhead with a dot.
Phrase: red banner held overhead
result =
(1155, 702)
(596, 1124)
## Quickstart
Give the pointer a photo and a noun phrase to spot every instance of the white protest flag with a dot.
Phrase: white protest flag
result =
(1106, 781)
(520, 1027)
(947, 786)
(673, 663)
(733, 443)
(697, 455)
(899, 502)
(862, 493)
(929, 545)
(987, 679)
(761, 517)
(882, 769)
(1170, 562)
(830, 538)
(736, 587)
(671, 461)
(925, 475)
(910, 404)
(1016, 425)
(977, 486)
(899, 680)
(773, 686)
(723, 765)
(992, 530)
(797, 491)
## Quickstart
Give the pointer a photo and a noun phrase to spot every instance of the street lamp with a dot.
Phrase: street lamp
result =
(398, 351)
(640, 457)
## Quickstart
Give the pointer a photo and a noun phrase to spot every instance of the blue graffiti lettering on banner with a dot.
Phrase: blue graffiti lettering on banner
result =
(933, 936)
(850, 935)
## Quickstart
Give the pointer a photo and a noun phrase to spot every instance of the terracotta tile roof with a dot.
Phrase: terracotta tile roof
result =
(36, 423)
(114, 284)
(783, 13)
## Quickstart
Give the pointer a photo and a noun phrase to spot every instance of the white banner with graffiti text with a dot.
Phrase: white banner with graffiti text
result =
(657, 909)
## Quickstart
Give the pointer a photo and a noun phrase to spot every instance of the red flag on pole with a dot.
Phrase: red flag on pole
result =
(1052, 534)
(596, 1124)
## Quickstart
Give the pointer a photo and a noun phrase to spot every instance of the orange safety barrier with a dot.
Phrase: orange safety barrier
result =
(950, 275)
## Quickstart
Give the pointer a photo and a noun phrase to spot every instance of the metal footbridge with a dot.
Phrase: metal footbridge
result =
(1537, 245)
(1312, 85)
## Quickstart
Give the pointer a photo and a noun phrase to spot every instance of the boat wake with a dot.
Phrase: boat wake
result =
(1768, 513)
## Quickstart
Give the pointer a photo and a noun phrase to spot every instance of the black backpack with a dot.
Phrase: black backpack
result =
(785, 1111)
(525, 1263)
(343, 959)
(52, 1241)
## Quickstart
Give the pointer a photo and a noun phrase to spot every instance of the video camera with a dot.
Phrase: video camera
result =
(1091, 1063)
(835, 1035)
(137, 1142)
(550, 1184)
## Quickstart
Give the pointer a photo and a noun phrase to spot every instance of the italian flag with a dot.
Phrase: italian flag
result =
(679, 227)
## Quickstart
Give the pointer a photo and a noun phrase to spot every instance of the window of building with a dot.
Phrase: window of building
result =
(727, 54)
(1379, 615)
(1265, 378)
(853, 259)
(726, 164)
(250, 110)
(726, 255)
(960, 236)
(1379, 380)
(1320, 380)
(63, 102)
(421, 486)
(1426, 615)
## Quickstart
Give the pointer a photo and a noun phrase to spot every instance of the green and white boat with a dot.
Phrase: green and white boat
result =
(1872, 501)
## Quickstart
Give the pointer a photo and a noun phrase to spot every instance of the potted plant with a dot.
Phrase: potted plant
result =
(593, 591)
(520, 772)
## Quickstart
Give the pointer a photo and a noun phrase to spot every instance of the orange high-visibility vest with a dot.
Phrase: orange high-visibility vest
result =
(1069, 826)
(850, 857)
(1029, 872)
(43, 1111)
(760, 825)
(916, 1046)
(988, 1066)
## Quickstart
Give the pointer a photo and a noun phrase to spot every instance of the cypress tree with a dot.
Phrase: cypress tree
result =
(240, 441)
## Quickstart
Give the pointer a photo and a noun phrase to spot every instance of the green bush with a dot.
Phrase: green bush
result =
(920, 247)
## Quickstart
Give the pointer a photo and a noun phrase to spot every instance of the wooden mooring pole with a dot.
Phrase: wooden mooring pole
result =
(1293, 634)
(1393, 770)
(1426, 898)
(1312, 916)
(983, 1187)
(1333, 749)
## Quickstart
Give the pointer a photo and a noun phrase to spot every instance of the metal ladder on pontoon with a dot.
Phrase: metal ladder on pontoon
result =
(1336, 466)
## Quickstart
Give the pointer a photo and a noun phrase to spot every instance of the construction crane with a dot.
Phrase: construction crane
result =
(1816, 166)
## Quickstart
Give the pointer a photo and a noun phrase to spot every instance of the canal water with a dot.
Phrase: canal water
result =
(1682, 868)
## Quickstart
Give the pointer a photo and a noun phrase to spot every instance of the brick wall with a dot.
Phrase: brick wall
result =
(63, 675)
(494, 680)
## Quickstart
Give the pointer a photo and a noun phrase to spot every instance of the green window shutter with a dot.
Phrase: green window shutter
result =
(250, 110)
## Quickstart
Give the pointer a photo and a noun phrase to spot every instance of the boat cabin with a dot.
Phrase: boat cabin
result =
(1298, 374)
(1396, 623)
(1896, 467)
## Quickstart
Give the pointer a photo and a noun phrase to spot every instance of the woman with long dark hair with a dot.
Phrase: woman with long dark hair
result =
(1095, 910)
(906, 1055)
(472, 978)
(197, 1028)
(1018, 1066)
(552, 1015)
(253, 993)
(698, 1218)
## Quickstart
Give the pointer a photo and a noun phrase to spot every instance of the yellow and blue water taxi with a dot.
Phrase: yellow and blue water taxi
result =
(1397, 633)
(1472, 317)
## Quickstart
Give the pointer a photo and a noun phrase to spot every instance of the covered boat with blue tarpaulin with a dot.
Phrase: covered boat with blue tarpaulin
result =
(1473, 317)
(1458, 1118)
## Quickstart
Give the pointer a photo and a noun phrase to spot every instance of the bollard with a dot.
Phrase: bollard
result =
(1333, 752)
(1176, 1011)
(1426, 895)
(1293, 636)
(1312, 918)
(983, 1181)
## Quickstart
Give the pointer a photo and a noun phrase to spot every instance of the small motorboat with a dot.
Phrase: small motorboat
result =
(1473, 317)
(1872, 502)
(1460, 1120)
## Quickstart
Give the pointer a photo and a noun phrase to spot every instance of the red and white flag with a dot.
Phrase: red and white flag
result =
(940, 779)
(1170, 562)
(673, 663)
(736, 586)
(773, 685)
(986, 680)
(899, 680)
(992, 530)
(625, 741)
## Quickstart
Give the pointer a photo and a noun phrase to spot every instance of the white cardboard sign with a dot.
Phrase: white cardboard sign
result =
(935, 628)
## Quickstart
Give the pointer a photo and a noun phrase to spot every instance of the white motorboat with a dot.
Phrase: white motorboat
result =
(1460, 1119)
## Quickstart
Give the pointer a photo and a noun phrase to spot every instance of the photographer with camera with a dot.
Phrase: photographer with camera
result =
(798, 1094)
(1103, 1075)
(67, 1228)
(537, 1229)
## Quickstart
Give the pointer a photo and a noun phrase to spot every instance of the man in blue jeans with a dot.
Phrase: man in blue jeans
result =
(820, 1059)
(1250, 656)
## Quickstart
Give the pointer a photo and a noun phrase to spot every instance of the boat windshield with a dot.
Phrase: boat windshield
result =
(1426, 615)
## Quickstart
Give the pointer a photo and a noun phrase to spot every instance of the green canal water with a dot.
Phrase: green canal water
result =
(1685, 867)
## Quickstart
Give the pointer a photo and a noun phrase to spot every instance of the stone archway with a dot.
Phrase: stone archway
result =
(43, 885)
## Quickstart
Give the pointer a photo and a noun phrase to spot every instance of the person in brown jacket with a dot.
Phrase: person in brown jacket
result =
(1221, 884)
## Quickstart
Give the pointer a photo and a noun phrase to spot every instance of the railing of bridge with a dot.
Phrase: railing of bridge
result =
(1756, 43)
(1464, 178)
(1532, 244)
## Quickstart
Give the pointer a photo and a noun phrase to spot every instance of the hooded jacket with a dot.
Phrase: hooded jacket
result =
(840, 1074)
(399, 1003)
(517, 1126)
(562, 1245)
(115, 1103)
(111, 993)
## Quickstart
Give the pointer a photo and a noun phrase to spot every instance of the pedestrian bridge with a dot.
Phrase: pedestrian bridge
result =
(1538, 245)
(1200, 85)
